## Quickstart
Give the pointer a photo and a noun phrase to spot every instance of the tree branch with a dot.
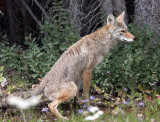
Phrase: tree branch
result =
(31, 13)
(41, 8)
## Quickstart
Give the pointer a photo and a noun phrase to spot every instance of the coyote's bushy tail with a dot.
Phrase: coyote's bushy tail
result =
(22, 94)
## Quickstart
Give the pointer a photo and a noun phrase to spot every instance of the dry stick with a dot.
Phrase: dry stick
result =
(24, 118)
(41, 8)
(43, 11)
(31, 13)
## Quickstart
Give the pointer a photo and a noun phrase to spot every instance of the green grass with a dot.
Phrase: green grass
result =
(136, 114)
(129, 104)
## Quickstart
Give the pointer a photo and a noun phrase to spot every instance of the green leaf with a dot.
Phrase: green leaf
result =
(1, 79)
(20, 83)
(1, 68)
(39, 120)
(140, 88)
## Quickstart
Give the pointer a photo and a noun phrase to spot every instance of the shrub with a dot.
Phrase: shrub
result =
(130, 64)
(11, 58)
(1, 74)
(126, 66)
(59, 33)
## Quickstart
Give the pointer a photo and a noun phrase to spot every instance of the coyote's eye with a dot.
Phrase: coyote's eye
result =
(122, 31)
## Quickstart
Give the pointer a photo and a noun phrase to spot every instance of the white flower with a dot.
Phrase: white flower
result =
(100, 112)
(96, 115)
(90, 118)
(34, 100)
(93, 109)
(4, 82)
(21, 103)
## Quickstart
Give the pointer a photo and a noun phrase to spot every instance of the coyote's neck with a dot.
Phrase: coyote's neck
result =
(103, 39)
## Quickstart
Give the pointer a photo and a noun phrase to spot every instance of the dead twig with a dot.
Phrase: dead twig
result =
(41, 8)
(31, 13)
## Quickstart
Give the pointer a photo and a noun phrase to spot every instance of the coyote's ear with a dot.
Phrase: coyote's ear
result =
(111, 20)
(121, 16)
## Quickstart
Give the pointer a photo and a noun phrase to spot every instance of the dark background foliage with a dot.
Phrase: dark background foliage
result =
(20, 18)
(33, 34)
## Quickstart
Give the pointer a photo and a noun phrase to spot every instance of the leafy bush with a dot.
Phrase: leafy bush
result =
(130, 64)
(126, 66)
(1, 74)
(59, 33)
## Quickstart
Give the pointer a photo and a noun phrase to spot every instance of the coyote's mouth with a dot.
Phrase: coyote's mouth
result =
(129, 40)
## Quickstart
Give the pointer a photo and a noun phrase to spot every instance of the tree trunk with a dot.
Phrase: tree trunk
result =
(118, 7)
(74, 7)
(10, 19)
(148, 12)
(25, 23)
(107, 9)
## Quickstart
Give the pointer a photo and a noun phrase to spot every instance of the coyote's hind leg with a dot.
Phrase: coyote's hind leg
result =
(67, 91)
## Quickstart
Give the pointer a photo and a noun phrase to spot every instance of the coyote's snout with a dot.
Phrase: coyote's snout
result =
(62, 82)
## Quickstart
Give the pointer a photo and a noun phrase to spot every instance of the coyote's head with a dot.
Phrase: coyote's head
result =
(118, 28)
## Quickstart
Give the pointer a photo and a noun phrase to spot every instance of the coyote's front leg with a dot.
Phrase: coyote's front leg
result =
(77, 99)
(86, 84)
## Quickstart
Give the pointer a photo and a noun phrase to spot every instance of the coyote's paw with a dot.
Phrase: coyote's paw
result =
(65, 119)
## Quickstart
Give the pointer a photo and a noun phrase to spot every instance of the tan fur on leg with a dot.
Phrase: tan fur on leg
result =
(64, 95)
(53, 108)
(34, 86)
(77, 98)
(86, 83)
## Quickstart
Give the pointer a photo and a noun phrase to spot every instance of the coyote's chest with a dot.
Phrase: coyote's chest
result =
(99, 59)
(94, 61)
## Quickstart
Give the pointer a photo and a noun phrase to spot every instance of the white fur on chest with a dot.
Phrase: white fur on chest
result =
(99, 60)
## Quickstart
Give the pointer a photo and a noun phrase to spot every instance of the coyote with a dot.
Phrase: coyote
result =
(62, 82)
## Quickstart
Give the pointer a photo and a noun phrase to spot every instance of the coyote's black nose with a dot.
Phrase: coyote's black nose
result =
(134, 38)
